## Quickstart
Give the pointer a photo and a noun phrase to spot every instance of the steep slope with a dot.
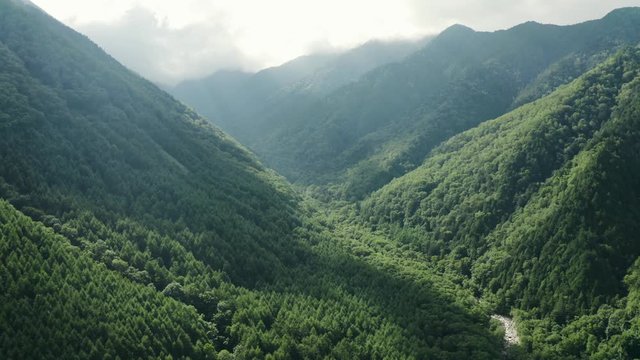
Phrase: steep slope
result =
(350, 65)
(584, 243)
(223, 86)
(238, 102)
(539, 207)
(227, 98)
(45, 286)
(157, 204)
(82, 132)
(364, 134)
(610, 333)
(584, 226)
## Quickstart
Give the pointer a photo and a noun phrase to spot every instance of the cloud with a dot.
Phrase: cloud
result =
(168, 41)
(154, 49)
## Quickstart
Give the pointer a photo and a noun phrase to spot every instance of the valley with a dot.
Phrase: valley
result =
(467, 195)
(510, 330)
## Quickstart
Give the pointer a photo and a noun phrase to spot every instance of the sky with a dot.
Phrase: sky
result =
(168, 41)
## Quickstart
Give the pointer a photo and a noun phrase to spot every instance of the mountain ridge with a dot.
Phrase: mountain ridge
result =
(537, 206)
(168, 206)
(234, 104)
(404, 109)
(132, 227)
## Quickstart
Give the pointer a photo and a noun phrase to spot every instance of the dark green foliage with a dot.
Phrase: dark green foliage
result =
(162, 211)
(585, 220)
(85, 133)
(360, 136)
(238, 102)
(130, 227)
(610, 333)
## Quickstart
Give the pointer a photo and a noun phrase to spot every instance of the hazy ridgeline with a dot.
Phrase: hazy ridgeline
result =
(436, 183)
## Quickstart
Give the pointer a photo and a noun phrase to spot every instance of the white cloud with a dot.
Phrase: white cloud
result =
(149, 46)
(167, 40)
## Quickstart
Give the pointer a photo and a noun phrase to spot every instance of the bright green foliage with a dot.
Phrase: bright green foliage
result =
(130, 227)
(475, 180)
(55, 302)
(539, 207)
(156, 201)
(581, 224)
(613, 332)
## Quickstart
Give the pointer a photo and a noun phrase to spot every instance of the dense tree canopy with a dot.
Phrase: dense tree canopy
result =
(539, 207)
(155, 212)
(131, 227)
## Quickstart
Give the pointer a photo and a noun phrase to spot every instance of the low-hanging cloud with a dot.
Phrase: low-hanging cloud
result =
(168, 41)
(155, 50)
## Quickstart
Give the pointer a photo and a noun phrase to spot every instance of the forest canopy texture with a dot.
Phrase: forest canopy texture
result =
(481, 173)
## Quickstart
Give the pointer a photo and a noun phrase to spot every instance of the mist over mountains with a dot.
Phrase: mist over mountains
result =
(383, 124)
(378, 203)
(238, 100)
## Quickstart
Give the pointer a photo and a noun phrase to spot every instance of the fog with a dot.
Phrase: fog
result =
(169, 41)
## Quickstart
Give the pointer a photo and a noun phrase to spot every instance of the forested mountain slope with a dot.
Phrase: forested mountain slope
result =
(238, 101)
(229, 97)
(539, 209)
(131, 227)
(362, 135)
(153, 222)
(49, 310)
(82, 132)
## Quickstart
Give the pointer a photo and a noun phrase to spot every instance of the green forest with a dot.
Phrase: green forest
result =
(132, 227)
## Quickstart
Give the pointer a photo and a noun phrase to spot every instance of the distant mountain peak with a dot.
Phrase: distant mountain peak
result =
(623, 16)
(454, 32)
(530, 24)
(25, 2)
(457, 28)
(624, 11)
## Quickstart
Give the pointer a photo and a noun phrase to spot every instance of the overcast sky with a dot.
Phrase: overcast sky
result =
(171, 40)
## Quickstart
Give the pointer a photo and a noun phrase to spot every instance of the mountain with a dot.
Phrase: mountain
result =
(132, 227)
(81, 132)
(350, 65)
(362, 135)
(226, 97)
(538, 208)
(45, 295)
(236, 101)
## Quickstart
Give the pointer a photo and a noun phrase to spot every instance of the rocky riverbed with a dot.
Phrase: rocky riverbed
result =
(510, 331)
